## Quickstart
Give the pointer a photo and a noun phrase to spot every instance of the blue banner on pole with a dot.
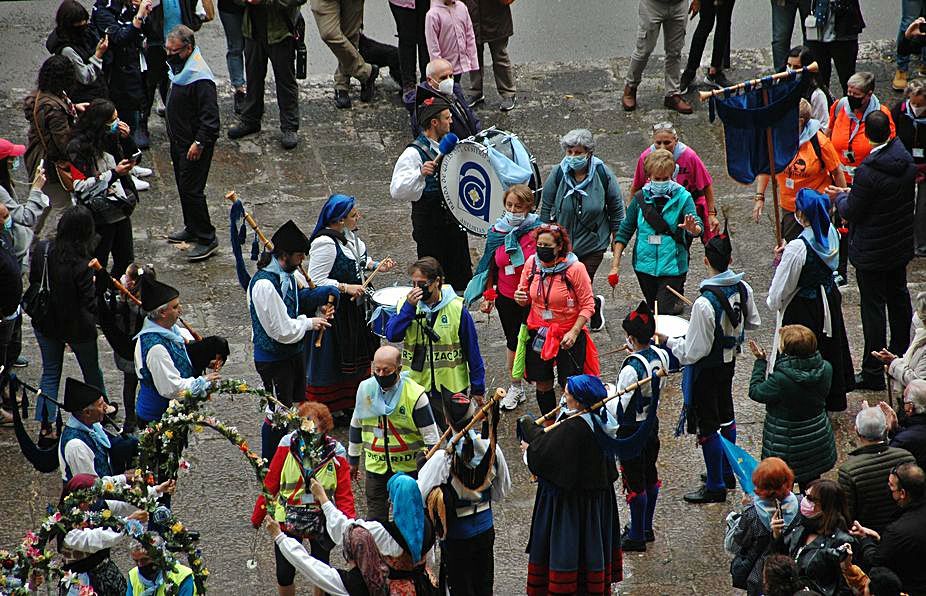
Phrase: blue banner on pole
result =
(742, 463)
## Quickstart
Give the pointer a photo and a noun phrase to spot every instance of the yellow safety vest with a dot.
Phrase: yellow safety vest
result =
(292, 485)
(400, 436)
(450, 367)
(173, 577)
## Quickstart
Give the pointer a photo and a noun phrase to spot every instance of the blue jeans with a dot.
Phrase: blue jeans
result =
(52, 363)
(234, 43)
(909, 11)
(783, 27)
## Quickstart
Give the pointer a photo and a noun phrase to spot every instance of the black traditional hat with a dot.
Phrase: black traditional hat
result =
(78, 395)
(719, 249)
(289, 238)
(155, 294)
(458, 408)
(429, 104)
(640, 323)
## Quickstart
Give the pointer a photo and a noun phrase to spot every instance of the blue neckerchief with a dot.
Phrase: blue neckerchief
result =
(287, 280)
(677, 152)
(829, 255)
(380, 403)
(151, 587)
(501, 234)
(96, 431)
(513, 237)
(559, 267)
(480, 446)
(765, 508)
(172, 334)
(908, 110)
(447, 296)
(811, 127)
(195, 69)
(579, 188)
(873, 106)
(727, 278)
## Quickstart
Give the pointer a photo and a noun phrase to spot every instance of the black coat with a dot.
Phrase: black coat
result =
(84, 45)
(912, 437)
(193, 114)
(10, 276)
(901, 549)
(491, 20)
(907, 131)
(121, 63)
(879, 209)
(72, 313)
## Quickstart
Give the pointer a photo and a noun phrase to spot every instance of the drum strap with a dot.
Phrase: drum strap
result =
(423, 148)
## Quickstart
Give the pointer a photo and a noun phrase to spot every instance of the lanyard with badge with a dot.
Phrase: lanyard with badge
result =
(547, 313)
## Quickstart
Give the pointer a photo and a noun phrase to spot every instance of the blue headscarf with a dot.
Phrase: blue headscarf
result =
(336, 207)
(407, 511)
(815, 208)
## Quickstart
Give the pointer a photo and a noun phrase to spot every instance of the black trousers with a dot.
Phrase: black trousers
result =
(191, 179)
(842, 53)
(720, 54)
(11, 343)
(156, 78)
(286, 378)
(654, 290)
(282, 57)
(374, 485)
(470, 564)
(712, 399)
(879, 289)
(409, 24)
(116, 240)
(438, 235)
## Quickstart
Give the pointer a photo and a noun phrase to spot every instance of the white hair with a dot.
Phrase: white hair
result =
(156, 314)
(430, 69)
(870, 424)
(579, 137)
(915, 394)
(863, 80)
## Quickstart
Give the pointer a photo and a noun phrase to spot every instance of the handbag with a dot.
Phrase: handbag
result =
(37, 299)
(305, 521)
(63, 168)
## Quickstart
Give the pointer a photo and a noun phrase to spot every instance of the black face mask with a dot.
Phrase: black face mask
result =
(426, 292)
(387, 381)
(175, 62)
(855, 102)
(546, 254)
(148, 571)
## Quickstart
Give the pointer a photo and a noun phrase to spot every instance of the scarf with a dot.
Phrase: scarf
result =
(287, 281)
(172, 334)
(873, 105)
(765, 508)
(501, 234)
(447, 296)
(360, 548)
(561, 265)
(335, 208)
(726, 278)
(374, 402)
(811, 127)
(96, 431)
(407, 511)
(579, 188)
(908, 110)
(194, 69)
(827, 250)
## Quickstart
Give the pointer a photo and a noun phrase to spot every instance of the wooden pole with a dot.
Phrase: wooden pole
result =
(321, 332)
(706, 95)
(770, 146)
(440, 442)
(679, 295)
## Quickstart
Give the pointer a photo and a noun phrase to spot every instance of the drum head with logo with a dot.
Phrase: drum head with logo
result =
(472, 191)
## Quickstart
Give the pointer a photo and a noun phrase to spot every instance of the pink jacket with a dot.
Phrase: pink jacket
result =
(449, 33)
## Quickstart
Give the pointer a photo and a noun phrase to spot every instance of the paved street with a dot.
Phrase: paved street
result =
(561, 86)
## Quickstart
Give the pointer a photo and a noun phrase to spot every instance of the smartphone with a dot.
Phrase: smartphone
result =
(922, 27)
(136, 157)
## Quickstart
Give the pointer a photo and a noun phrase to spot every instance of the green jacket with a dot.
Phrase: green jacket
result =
(281, 19)
(864, 478)
(653, 254)
(797, 428)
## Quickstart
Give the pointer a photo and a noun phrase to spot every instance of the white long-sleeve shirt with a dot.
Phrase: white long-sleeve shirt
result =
(323, 253)
(699, 340)
(407, 180)
(272, 315)
(627, 377)
(167, 380)
(436, 471)
(337, 523)
(319, 574)
(784, 283)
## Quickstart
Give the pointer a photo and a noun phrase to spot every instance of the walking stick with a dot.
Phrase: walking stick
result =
(96, 266)
(890, 390)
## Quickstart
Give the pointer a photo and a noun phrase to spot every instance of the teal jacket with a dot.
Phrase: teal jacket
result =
(665, 256)
(281, 19)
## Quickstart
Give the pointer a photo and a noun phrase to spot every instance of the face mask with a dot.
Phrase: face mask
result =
(426, 292)
(630, 345)
(176, 62)
(514, 219)
(855, 102)
(575, 162)
(8, 223)
(149, 571)
(446, 86)
(387, 381)
(661, 187)
(807, 509)
(114, 127)
(547, 254)
(918, 110)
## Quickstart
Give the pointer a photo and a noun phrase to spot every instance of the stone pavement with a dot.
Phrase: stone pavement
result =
(353, 152)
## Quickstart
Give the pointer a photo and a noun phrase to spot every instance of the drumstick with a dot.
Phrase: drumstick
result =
(321, 332)
(372, 275)
(268, 245)
(679, 295)
(96, 266)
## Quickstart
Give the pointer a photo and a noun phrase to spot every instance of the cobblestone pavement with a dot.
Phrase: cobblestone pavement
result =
(353, 152)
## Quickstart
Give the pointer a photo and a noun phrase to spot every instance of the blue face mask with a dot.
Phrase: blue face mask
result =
(575, 162)
(661, 187)
(114, 127)
(514, 219)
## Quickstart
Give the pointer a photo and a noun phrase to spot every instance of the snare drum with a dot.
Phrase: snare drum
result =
(671, 326)
(386, 301)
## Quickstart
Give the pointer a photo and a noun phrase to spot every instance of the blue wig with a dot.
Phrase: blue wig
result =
(815, 207)
(407, 511)
(335, 208)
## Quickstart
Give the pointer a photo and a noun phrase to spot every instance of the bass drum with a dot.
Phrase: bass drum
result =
(475, 175)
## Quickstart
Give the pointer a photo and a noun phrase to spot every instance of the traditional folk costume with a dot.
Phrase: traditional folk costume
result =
(635, 413)
(574, 545)
(803, 293)
(720, 317)
(459, 490)
(440, 347)
(277, 330)
(434, 230)
(299, 455)
(343, 360)
(390, 426)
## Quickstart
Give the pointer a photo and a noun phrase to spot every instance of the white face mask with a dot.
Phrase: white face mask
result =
(446, 86)
(514, 219)
(918, 110)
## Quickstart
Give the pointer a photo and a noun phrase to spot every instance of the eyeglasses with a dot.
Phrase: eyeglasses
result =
(665, 125)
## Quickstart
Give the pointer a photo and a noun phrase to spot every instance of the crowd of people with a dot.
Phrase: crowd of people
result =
(422, 425)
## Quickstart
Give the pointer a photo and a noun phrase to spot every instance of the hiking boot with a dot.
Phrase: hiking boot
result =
(289, 139)
(508, 104)
(677, 103)
(899, 83)
(342, 99)
(629, 100)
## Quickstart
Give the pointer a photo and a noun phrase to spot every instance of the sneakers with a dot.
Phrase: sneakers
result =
(677, 103)
(475, 100)
(507, 104)
(140, 172)
(629, 99)
(239, 101)
(717, 79)
(513, 398)
(140, 185)
(243, 130)
(201, 252)
(597, 322)
(685, 82)
(703, 495)
(899, 83)
(21, 362)
(289, 139)
(181, 236)
(341, 99)
(369, 87)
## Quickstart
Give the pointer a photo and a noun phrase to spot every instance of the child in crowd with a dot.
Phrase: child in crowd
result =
(449, 33)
